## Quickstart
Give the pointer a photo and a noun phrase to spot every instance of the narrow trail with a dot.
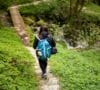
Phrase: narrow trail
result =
(19, 24)
(52, 83)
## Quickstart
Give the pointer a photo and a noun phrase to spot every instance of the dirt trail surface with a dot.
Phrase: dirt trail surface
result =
(19, 24)
(52, 83)
(18, 20)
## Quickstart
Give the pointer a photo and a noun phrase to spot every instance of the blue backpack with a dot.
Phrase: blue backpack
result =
(44, 49)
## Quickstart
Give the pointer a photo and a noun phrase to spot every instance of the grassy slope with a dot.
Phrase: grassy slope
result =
(77, 70)
(30, 34)
(16, 64)
(8, 3)
(92, 10)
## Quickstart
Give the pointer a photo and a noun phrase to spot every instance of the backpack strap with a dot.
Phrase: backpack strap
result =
(36, 35)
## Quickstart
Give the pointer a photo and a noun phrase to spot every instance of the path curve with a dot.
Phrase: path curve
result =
(52, 83)
(18, 22)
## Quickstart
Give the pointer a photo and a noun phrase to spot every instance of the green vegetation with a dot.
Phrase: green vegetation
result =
(16, 64)
(5, 4)
(85, 24)
(49, 11)
(77, 70)
(93, 10)
(30, 34)
(75, 21)
(42, 10)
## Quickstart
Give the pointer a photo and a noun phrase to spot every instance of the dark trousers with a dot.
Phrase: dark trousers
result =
(43, 65)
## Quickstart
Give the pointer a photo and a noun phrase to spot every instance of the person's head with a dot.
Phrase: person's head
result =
(43, 32)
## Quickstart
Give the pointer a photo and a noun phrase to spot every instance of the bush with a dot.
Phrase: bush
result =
(54, 10)
(85, 28)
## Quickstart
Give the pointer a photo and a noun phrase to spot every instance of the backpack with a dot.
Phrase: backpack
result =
(43, 49)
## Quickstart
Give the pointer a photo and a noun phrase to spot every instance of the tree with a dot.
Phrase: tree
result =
(76, 7)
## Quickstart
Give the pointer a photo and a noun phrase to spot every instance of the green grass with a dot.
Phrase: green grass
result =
(30, 34)
(8, 3)
(93, 7)
(77, 70)
(16, 64)
(93, 10)
(38, 10)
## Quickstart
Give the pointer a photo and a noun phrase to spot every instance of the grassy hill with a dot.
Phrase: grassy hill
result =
(16, 64)
(93, 9)
(8, 3)
(77, 70)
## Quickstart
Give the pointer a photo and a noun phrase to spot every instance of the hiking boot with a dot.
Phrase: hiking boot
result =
(44, 76)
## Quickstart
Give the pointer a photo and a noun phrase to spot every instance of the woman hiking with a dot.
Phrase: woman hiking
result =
(43, 44)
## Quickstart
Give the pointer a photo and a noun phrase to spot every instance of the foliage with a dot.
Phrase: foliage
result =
(76, 7)
(30, 34)
(96, 2)
(54, 10)
(1, 23)
(56, 31)
(92, 10)
(28, 20)
(41, 22)
(39, 9)
(5, 4)
(86, 28)
(16, 64)
(77, 70)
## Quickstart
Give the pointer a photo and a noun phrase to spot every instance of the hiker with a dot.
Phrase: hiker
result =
(44, 45)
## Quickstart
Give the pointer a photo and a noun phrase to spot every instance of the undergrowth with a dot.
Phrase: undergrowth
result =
(77, 70)
(16, 64)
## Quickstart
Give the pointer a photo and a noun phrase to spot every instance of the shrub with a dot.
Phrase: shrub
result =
(85, 28)
(54, 10)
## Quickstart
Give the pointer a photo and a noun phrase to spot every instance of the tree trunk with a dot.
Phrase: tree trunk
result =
(71, 10)
(76, 7)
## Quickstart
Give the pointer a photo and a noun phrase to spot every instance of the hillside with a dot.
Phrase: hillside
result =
(77, 69)
(16, 64)
(75, 27)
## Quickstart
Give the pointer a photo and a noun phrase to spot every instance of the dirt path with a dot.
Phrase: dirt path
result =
(18, 21)
(19, 24)
(52, 83)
